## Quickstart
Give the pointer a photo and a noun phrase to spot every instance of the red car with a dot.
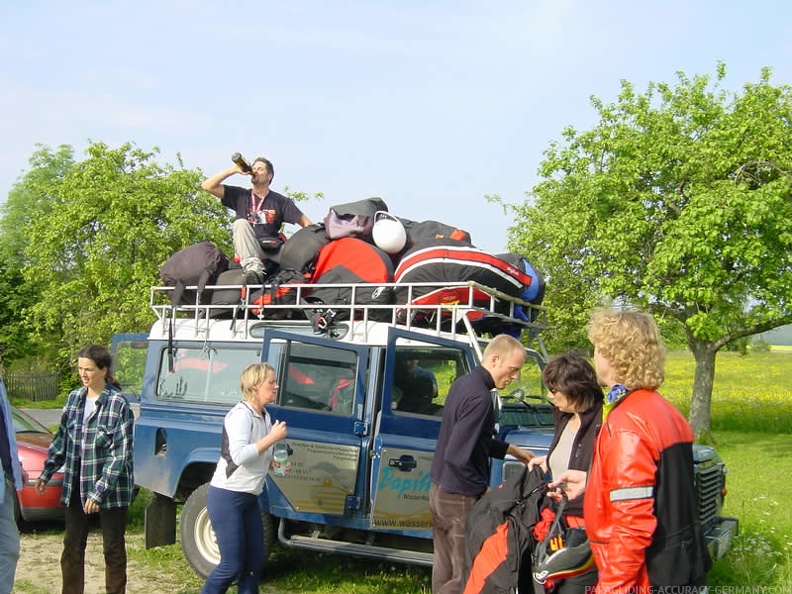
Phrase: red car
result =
(33, 439)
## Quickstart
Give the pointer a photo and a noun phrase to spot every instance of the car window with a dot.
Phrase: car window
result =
(530, 379)
(209, 375)
(316, 377)
(24, 424)
(524, 402)
(423, 376)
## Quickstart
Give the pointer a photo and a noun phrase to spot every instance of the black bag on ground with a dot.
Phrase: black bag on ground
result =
(195, 265)
(499, 534)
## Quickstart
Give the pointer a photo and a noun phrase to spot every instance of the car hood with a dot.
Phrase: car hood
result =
(35, 440)
(536, 440)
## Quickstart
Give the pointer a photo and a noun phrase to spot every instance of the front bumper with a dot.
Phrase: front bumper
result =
(720, 538)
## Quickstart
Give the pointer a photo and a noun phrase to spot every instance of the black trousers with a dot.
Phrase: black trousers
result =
(75, 538)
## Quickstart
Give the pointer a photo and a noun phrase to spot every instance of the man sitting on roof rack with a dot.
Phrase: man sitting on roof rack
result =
(260, 214)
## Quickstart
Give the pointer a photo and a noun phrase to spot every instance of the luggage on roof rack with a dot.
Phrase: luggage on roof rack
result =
(465, 316)
(447, 261)
(441, 265)
(352, 270)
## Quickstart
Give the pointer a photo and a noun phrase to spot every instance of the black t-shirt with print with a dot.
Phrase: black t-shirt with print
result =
(267, 216)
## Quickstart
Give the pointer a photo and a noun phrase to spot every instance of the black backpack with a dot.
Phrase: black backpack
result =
(301, 249)
(194, 265)
(272, 293)
(420, 231)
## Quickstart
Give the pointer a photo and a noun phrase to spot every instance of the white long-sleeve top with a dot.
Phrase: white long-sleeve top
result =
(240, 467)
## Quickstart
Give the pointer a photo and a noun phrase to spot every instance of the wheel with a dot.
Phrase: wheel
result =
(198, 541)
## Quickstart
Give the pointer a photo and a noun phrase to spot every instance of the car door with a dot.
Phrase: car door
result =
(407, 426)
(321, 397)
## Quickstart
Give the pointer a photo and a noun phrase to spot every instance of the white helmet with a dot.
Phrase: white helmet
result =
(388, 233)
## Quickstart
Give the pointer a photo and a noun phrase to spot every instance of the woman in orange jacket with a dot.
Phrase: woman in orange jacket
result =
(640, 506)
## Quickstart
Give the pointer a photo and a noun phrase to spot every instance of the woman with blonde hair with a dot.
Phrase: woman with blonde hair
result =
(232, 501)
(640, 502)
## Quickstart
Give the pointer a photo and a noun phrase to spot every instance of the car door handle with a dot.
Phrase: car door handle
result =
(404, 462)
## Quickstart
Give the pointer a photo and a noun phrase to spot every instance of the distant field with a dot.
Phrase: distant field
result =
(751, 392)
(751, 422)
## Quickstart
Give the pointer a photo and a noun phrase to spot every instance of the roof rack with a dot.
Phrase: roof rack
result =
(469, 308)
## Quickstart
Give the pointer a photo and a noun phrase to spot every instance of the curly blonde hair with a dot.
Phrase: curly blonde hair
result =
(630, 341)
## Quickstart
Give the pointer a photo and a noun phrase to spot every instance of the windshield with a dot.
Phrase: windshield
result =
(25, 424)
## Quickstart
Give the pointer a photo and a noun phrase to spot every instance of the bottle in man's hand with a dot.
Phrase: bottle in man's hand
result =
(242, 163)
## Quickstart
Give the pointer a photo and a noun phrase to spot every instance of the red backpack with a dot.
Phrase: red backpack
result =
(349, 261)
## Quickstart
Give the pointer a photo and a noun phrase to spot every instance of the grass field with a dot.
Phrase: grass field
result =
(750, 393)
(752, 423)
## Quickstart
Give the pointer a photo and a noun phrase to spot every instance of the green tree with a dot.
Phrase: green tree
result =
(13, 343)
(678, 201)
(17, 292)
(89, 237)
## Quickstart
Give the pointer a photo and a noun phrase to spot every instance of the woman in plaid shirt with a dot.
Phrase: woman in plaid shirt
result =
(94, 445)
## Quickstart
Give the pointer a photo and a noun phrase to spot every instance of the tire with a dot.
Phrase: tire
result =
(198, 541)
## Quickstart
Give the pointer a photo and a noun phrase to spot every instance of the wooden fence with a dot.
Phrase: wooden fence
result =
(32, 385)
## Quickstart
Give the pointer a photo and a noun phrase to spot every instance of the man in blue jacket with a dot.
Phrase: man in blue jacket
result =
(16, 475)
(461, 464)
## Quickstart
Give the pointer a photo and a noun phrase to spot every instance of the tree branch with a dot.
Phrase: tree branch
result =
(742, 170)
(751, 330)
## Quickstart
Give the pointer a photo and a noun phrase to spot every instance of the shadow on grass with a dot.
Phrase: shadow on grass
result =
(297, 570)
(769, 444)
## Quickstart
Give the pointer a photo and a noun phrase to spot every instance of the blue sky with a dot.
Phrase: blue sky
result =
(429, 105)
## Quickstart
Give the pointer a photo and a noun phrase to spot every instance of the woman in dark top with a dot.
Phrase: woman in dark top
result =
(577, 409)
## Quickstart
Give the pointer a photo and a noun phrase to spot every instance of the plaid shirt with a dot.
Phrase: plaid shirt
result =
(103, 459)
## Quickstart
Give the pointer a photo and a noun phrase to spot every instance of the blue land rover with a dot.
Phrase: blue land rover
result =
(362, 399)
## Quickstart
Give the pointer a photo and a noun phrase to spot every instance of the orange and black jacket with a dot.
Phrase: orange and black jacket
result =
(640, 503)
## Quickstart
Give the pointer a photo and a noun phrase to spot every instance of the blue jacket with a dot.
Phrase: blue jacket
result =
(12, 444)
(461, 463)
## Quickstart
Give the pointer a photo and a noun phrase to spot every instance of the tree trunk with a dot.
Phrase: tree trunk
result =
(701, 402)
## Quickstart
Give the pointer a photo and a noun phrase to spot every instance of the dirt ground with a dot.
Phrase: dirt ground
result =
(38, 571)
